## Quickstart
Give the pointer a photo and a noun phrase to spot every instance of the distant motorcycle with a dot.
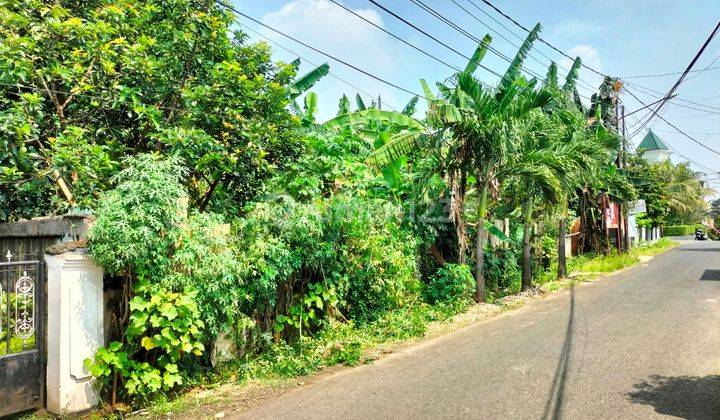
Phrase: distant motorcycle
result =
(700, 235)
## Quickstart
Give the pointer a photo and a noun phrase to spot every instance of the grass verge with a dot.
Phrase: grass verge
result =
(241, 383)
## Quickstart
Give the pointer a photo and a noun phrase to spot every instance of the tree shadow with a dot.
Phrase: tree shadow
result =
(699, 249)
(710, 275)
(556, 398)
(689, 397)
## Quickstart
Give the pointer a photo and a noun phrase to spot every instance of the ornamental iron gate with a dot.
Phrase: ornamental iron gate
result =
(22, 335)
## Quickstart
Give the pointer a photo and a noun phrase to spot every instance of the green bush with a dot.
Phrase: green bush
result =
(205, 260)
(143, 235)
(713, 234)
(451, 283)
(139, 220)
(680, 230)
(163, 327)
(337, 257)
(502, 268)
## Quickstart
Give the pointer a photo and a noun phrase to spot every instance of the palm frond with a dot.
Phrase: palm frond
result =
(551, 79)
(311, 106)
(398, 146)
(343, 105)
(394, 119)
(429, 95)
(295, 109)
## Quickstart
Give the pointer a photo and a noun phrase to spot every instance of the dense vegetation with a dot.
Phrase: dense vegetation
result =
(226, 211)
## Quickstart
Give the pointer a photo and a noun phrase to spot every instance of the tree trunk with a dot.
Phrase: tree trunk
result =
(480, 246)
(457, 200)
(562, 258)
(526, 260)
(562, 231)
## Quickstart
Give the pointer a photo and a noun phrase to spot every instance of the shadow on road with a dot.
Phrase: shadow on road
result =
(690, 397)
(710, 275)
(556, 399)
(699, 249)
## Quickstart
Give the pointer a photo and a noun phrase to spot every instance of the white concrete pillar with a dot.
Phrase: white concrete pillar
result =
(74, 330)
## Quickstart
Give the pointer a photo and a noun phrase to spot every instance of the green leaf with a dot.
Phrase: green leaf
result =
(360, 103)
(514, 70)
(495, 231)
(572, 76)
(305, 82)
(147, 343)
(429, 95)
(478, 55)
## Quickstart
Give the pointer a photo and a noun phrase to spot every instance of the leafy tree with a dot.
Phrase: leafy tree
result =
(83, 84)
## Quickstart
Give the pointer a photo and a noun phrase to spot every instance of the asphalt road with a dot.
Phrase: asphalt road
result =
(644, 343)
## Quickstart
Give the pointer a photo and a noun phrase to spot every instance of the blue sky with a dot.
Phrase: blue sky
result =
(617, 37)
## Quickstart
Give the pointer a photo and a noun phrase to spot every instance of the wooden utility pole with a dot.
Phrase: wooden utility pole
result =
(626, 222)
(620, 164)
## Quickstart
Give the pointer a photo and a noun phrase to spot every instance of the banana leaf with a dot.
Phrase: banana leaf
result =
(572, 76)
(478, 55)
(305, 82)
(513, 71)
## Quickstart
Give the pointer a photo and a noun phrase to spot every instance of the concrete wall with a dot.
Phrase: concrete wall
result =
(29, 239)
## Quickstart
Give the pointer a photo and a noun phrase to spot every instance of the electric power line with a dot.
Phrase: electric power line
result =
(465, 33)
(413, 46)
(674, 87)
(642, 76)
(458, 29)
(521, 26)
(681, 132)
(328, 55)
(405, 21)
(656, 94)
(587, 85)
(369, 95)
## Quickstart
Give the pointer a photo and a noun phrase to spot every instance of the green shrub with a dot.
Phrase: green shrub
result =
(680, 230)
(139, 220)
(163, 327)
(451, 283)
(502, 268)
(713, 234)
(142, 234)
(337, 257)
(205, 260)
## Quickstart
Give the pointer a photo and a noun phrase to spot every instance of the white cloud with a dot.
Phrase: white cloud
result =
(332, 29)
(590, 57)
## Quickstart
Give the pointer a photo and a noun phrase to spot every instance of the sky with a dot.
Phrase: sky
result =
(616, 37)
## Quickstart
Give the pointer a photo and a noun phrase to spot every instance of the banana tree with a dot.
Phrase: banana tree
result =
(301, 85)
(483, 125)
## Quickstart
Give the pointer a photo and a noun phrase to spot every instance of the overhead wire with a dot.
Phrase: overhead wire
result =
(333, 75)
(681, 132)
(427, 34)
(321, 52)
(467, 34)
(580, 80)
(411, 45)
(521, 26)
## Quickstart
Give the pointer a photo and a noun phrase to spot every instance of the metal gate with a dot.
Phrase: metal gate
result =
(22, 335)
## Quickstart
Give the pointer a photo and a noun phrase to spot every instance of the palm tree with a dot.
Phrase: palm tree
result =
(483, 125)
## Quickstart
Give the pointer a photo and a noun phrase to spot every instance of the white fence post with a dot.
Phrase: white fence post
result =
(74, 330)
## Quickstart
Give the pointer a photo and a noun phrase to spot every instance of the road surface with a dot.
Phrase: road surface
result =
(644, 343)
